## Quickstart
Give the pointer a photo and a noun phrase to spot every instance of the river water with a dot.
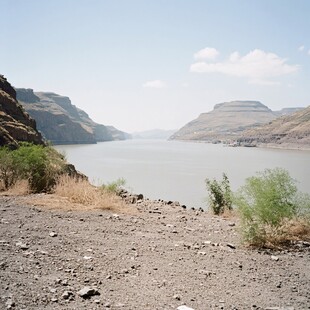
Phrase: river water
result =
(173, 170)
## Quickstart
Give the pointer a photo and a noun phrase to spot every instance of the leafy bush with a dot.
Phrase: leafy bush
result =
(267, 203)
(220, 195)
(114, 187)
(8, 171)
(38, 164)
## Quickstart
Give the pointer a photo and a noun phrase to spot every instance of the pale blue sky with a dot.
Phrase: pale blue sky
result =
(143, 64)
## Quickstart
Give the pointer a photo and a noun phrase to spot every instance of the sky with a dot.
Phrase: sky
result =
(145, 64)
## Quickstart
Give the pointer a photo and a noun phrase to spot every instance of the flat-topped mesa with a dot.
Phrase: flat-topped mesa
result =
(226, 121)
(61, 122)
(15, 124)
(241, 106)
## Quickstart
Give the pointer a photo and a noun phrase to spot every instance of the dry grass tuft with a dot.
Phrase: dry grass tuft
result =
(21, 187)
(80, 191)
(289, 231)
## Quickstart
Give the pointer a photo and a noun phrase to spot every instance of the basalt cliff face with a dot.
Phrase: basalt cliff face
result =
(227, 121)
(289, 131)
(15, 124)
(61, 122)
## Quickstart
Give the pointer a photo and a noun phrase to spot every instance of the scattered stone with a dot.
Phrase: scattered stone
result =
(120, 305)
(66, 294)
(64, 282)
(279, 308)
(23, 246)
(53, 234)
(87, 292)
(54, 299)
(230, 245)
(10, 303)
(275, 258)
(183, 307)
(202, 253)
(140, 197)
(231, 224)
(177, 297)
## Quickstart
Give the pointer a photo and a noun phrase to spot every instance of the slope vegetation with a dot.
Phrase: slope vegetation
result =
(287, 131)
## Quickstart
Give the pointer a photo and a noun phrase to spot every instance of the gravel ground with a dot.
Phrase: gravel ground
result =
(151, 256)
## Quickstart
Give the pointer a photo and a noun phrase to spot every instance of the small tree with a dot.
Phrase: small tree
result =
(8, 172)
(265, 202)
(220, 195)
(37, 164)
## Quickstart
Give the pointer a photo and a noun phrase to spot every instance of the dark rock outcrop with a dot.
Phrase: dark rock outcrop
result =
(61, 122)
(15, 124)
(226, 121)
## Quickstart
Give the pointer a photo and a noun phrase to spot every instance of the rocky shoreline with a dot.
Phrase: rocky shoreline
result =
(149, 255)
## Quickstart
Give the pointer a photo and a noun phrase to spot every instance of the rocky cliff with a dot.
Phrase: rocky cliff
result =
(61, 122)
(226, 121)
(15, 124)
(290, 131)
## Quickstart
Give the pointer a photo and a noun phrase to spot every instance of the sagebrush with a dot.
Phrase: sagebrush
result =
(271, 208)
(220, 195)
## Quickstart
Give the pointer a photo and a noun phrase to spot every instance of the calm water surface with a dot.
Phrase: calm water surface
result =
(172, 170)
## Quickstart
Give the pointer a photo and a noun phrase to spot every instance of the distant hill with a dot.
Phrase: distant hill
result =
(153, 134)
(292, 131)
(287, 111)
(15, 124)
(61, 122)
(227, 120)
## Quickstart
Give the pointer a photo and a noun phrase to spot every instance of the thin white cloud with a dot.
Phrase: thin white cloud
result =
(206, 53)
(154, 84)
(258, 66)
(301, 48)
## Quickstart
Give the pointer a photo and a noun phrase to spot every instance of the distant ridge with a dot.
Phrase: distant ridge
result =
(153, 134)
(61, 122)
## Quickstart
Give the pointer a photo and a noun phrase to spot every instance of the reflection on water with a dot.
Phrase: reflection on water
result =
(173, 170)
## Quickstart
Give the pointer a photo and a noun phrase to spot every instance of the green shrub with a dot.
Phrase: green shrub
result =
(8, 171)
(115, 186)
(267, 202)
(38, 164)
(220, 195)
